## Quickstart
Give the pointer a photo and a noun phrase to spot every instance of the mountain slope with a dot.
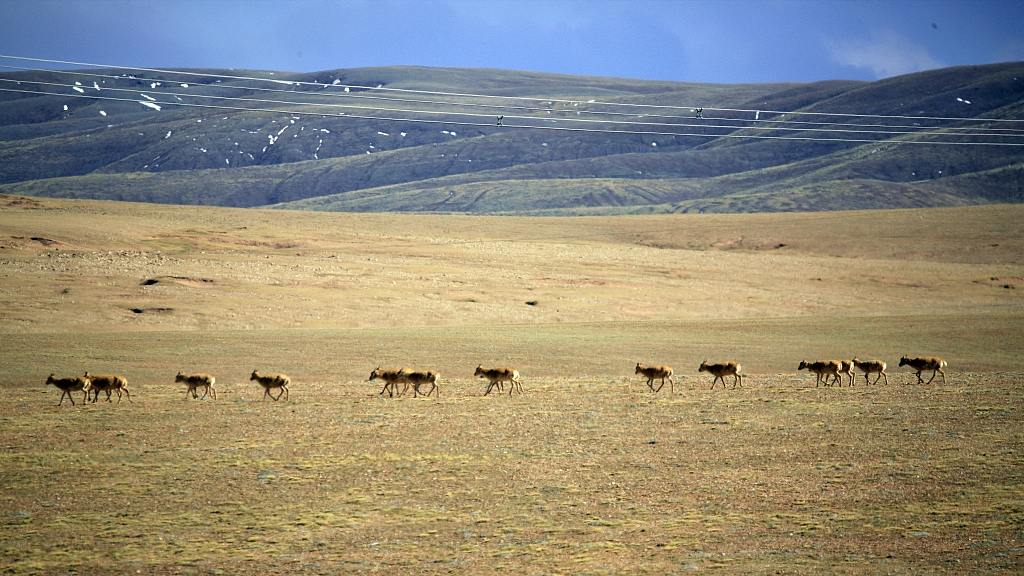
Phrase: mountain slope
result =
(424, 139)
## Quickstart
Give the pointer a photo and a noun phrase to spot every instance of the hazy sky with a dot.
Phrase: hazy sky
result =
(716, 41)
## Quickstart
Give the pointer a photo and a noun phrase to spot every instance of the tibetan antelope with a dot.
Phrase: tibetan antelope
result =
(417, 378)
(496, 376)
(925, 363)
(108, 383)
(392, 378)
(721, 371)
(822, 368)
(870, 366)
(846, 367)
(69, 385)
(656, 372)
(270, 381)
(196, 381)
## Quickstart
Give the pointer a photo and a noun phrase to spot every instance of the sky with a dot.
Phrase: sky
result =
(724, 41)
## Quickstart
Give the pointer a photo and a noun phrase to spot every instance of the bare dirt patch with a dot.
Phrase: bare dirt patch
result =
(178, 279)
(1007, 283)
(152, 310)
(20, 202)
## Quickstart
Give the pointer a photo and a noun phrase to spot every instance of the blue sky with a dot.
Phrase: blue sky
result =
(720, 41)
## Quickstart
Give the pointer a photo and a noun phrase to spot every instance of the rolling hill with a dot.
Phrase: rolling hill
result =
(426, 140)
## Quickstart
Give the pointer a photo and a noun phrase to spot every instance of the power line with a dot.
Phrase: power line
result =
(766, 124)
(946, 131)
(931, 132)
(528, 127)
(513, 98)
(959, 132)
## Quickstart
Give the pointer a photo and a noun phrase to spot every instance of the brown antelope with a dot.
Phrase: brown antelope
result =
(656, 372)
(822, 368)
(870, 366)
(270, 381)
(392, 378)
(417, 378)
(108, 383)
(721, 371)
(846, 367)
(496, 376)
(196, 381)
(69, 385)
(925, 363)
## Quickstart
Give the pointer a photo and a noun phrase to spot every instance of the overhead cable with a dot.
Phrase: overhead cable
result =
(529, 127)
(656, 125)
(765, 124)
(513, 98)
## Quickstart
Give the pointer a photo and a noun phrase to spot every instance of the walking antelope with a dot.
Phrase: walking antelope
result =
(417, 378)
(846, 367)
(822, 368)
(496, 376)
(870, 366)
(270, 381)
(69, 385)
(108, 383)
(721, 371)
(392, 378)
(923, 363)
(196, 381)
(656, 372)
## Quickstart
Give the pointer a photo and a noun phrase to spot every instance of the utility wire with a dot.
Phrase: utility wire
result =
(765, 124)
(528, 127)
(932, 132)
(513, 98)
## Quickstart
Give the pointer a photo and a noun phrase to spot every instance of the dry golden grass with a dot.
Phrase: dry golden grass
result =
(772, 288)
(588, 475)
(587, 472)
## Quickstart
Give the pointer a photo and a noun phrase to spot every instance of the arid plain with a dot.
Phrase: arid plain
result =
(587, 471)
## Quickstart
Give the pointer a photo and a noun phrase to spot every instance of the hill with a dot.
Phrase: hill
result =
(424, 139)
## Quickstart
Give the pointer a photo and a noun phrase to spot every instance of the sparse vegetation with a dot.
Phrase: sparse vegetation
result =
(585, 472)
(578, 474)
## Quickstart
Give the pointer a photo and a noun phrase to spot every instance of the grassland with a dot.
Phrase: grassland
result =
(579, 475)
(588, 471)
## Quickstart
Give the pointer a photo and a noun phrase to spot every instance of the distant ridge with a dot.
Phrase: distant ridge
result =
(567, 144)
